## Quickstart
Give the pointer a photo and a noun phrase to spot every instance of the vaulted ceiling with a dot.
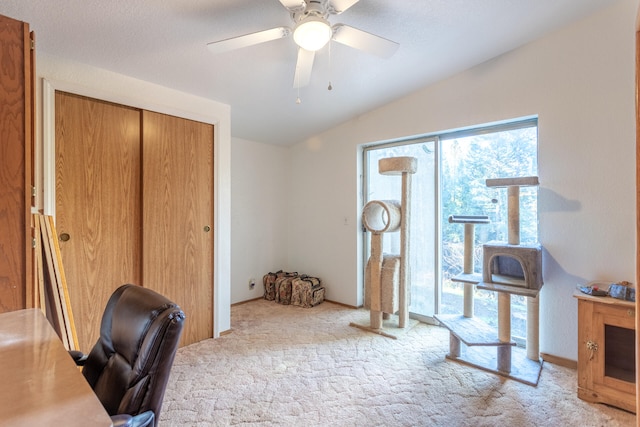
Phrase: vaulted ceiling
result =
(165, 42)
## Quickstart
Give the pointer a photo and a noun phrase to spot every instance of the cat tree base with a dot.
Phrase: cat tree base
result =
(483, 350)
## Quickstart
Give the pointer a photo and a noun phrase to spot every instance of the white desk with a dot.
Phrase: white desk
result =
(40, 384)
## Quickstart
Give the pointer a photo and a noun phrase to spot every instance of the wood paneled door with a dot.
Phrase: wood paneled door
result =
(178, 217)
(134, 204)
(98, 204)
(16, 139)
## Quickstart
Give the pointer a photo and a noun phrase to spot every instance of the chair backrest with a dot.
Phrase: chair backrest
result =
(129, 366)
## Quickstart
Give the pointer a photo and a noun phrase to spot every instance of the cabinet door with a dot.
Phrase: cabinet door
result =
(15, 165)
(614, 366)
(178, 217)
(98, 204)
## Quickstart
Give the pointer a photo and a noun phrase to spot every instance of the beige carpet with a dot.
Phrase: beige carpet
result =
(291, 366)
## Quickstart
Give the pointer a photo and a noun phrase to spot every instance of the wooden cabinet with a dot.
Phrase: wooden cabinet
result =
(637, 188)
(16, 147)
(606, 351)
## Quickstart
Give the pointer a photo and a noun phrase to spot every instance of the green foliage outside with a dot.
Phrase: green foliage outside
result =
(466, 163)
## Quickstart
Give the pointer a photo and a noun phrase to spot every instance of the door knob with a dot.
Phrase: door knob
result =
(207, 229)
(64, 237)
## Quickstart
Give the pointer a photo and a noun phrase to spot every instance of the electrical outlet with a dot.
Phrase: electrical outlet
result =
(252, 283)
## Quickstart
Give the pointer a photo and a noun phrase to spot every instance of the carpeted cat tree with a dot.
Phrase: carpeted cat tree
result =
(387, 276)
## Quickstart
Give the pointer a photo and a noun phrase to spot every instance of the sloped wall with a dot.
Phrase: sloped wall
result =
(579, 81)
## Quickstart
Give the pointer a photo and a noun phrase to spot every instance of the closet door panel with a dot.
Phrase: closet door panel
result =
(178, 217)
(98, 203)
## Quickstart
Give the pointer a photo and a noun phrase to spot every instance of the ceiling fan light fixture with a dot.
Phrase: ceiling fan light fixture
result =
(312, 33)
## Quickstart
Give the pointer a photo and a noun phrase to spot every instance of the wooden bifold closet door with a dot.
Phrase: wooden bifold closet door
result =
(134, 204)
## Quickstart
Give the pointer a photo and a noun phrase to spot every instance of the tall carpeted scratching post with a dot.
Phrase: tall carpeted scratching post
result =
(387, 276)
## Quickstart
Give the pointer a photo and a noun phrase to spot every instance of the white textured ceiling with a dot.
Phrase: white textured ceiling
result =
(164, 42)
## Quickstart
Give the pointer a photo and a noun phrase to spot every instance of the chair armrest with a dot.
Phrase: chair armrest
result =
(144, 419)
(78, 357)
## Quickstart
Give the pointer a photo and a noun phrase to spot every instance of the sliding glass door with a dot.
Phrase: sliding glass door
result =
(468, 159)
(451, 180)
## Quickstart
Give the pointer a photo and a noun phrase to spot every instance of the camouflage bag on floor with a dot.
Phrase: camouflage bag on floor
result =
(269, 282)
(283, 288)
(306, 291)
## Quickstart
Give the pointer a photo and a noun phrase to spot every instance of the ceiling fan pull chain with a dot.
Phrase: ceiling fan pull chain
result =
(329, 87)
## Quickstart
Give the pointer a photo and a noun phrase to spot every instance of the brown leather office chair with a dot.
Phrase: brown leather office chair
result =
(129, 366)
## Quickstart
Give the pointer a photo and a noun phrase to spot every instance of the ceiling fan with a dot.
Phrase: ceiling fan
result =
(311, 32)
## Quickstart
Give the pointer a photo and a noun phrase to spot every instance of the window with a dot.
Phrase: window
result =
(452, 169)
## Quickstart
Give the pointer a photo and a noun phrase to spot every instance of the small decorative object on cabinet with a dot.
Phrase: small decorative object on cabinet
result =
(606, 351)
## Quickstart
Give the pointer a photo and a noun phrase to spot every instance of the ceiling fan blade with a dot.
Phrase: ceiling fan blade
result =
(304, 64)
(248, 40)
(294, 5)
(364, 41)
(338, 6)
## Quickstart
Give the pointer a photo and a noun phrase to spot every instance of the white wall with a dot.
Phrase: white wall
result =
(580, 83)
(259, 217)
(102, 84)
